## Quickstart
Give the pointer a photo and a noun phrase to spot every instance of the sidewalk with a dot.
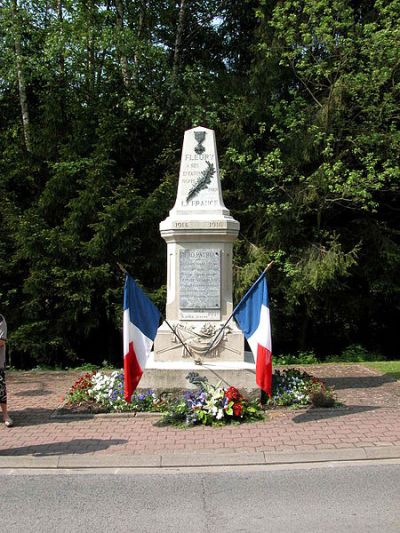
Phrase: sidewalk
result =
(367, 427)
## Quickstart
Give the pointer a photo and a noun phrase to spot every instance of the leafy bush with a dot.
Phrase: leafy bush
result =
(88, 367)
(353, 354)
(301, 358)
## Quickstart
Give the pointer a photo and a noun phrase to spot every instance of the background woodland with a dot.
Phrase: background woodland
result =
(94, 99)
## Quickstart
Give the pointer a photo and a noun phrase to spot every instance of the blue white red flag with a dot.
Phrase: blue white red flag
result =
(252, 315)
(141, 319)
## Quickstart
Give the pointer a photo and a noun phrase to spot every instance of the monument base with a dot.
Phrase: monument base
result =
(170, 376)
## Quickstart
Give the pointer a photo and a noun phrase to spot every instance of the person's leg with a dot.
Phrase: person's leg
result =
(6, 417)
(4, 410)
(3, 400)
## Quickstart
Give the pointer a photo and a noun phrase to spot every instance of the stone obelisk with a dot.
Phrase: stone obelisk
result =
(199, 233)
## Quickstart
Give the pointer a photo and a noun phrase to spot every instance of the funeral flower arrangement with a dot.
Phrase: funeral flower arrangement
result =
(212, 405)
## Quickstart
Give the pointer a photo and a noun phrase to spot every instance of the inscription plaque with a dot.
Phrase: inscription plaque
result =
(200, 279)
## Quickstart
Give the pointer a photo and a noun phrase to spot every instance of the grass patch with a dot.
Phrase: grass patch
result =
(392, 368)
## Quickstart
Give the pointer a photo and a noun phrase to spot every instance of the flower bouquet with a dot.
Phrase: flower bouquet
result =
(212, 405)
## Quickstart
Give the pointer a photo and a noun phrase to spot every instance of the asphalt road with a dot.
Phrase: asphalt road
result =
(354, 498)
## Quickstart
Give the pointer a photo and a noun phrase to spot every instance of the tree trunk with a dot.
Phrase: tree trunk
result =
(178, 41)
(140, 26)
(91, 68)
(120, 26)
(62, 79)
(304, 329)
(23, 100)
(89, 8)
(61, 59)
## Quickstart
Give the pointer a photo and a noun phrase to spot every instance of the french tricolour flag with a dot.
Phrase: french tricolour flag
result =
(252, 315)
(141, 319)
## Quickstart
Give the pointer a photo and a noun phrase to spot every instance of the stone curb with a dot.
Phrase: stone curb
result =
(182, 460)
(58, 414)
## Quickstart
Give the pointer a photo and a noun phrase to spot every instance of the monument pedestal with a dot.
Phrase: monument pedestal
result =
(199, 291)
(170, 376)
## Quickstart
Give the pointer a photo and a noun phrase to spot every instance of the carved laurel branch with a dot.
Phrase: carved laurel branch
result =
(203, 182)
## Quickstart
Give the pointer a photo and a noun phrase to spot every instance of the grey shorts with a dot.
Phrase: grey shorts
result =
(3, 388)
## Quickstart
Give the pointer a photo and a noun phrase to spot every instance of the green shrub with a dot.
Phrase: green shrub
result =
(301, 358)
(354, 353)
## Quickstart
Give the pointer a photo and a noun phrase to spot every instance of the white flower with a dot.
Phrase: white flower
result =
(220, 414)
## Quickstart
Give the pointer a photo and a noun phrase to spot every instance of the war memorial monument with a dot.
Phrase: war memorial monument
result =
(199, 233)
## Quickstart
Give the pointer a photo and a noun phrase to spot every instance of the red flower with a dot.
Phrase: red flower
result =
(232, 394)
(83, 383)
(237, 409)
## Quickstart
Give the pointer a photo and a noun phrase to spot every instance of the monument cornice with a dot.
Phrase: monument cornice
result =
(196, 223)
(200, 235)
(187, 228)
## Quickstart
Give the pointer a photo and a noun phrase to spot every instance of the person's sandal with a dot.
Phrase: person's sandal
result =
(9, 422)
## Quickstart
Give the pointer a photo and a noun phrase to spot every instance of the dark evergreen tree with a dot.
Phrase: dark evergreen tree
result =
(94, 99)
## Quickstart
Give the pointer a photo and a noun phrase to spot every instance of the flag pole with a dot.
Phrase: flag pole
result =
(123, 269)
(178, 337)
(233, 312)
